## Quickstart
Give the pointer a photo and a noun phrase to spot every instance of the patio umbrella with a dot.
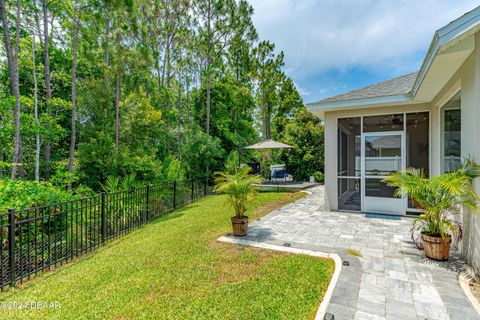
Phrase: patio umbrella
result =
(269, 144)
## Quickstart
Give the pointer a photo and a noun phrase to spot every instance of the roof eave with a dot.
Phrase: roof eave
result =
(442, 37)
(320, 108)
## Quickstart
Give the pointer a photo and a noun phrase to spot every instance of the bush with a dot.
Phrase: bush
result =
(319, 177)
(21, 194)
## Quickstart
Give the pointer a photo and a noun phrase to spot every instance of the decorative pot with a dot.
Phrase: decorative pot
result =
(240, 226)
(436, 248)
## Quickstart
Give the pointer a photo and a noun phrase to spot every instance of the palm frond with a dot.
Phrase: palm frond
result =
(440, 197)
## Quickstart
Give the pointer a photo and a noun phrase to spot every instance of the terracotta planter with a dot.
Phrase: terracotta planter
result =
(240, 226)
(436, 248)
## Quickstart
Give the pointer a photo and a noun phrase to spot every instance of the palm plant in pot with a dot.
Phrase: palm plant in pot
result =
(237, 185)
(441, 198)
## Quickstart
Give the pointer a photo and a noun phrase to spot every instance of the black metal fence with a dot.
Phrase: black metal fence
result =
(36, 239)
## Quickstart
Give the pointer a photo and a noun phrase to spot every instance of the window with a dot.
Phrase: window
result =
(451, 125)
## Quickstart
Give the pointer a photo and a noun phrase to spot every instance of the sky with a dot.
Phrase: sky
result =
(334, 46)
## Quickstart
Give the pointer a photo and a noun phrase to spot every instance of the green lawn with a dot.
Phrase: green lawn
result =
(174, 269)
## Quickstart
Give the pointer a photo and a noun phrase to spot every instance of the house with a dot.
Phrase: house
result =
(428, 119)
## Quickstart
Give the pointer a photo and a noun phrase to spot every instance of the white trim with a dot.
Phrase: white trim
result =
(322, 309)
(335, 105)
(444, 35)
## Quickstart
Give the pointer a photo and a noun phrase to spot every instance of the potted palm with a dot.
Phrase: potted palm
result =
(440, 198)
(238, 187)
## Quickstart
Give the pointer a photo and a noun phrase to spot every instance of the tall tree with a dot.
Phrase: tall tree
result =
(35, 110)
(269, 75)
(289, 103)
(12, 58)
(48, 83)
(76, 16)
(219, 21)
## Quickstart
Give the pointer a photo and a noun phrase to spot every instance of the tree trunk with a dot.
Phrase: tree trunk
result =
(35, 110)
(187, 98)
(264, 116)
(76, 26)
(167, 62)
(48, 86)
(209, 61)
(267, 124)
(179, 102)
(107, 52)
(1, 160)
(12, 61)
(117, 112)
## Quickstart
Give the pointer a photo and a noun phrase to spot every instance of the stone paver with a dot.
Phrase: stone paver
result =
(392, 279)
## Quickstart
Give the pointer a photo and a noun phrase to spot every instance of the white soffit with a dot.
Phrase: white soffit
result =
(442, 68)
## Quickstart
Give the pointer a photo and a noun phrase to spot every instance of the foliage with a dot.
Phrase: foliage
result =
(238, 188)
(231, 164)
(175, 268)
(440, 197)
(319, 177)
(305, 134)
(116, 183)
(20, 194)
(147, 74)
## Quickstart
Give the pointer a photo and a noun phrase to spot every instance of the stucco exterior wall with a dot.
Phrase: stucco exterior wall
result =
(470, 83)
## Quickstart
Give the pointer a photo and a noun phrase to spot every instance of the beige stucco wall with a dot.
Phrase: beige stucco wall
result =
(470, 83)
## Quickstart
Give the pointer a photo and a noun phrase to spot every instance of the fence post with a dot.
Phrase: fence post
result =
(193, 188)
(11, 245)
(205, 186)
(147, 200)
(174, 194)
(102, 217)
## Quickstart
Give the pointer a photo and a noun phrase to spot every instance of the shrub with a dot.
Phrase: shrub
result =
(319, 177)
(21, 194)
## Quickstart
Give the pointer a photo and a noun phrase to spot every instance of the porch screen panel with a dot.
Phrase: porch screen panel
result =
(382, 123)
(417, 138)
(418, 154)
(348, 163)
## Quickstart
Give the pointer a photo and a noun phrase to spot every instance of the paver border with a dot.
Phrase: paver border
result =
(322, 308)
(464, 281)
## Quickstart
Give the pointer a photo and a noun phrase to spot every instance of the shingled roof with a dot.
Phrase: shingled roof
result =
(396, 86)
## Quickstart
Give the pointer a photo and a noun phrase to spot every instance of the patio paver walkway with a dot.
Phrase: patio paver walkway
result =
(392, 279)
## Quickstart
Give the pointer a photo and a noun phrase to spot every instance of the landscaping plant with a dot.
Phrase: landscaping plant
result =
(237, 185)
(440, 198)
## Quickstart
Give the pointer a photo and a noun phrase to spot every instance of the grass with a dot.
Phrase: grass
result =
(174, 269)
